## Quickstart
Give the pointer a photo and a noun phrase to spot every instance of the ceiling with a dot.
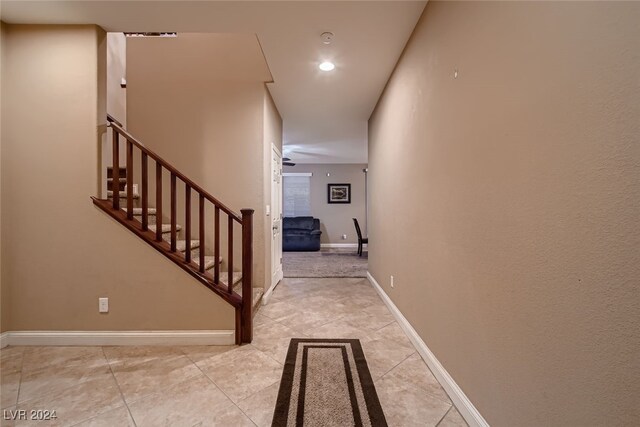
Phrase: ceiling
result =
(325, 113)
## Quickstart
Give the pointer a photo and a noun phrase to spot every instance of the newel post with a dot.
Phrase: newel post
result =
(247, 275)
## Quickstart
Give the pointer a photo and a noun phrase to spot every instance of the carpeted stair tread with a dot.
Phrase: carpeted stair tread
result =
(166, 228)
(209, 261)
(138, 211)
(123, 195)
(237, 278)
(181, 245)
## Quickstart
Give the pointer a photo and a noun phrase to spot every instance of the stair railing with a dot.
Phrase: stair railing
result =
(243, 304)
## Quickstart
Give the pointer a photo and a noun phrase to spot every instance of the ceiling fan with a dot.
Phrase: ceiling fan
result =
(287, 162)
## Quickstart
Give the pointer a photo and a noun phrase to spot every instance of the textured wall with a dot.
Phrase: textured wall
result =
(206, 118)
(506, 204)
(5, 307)
(59, 252)
(116, 71)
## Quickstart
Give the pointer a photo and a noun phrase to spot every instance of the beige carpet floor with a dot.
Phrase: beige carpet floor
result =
(325, 263)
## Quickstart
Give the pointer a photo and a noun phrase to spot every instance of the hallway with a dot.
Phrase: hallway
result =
(325, 263)
(193, 386)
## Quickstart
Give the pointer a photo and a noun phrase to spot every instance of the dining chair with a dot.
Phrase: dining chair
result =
(361, 240)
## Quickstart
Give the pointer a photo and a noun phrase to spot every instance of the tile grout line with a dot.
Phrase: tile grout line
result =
(450, 402)
(396, 365)
(217, 386)
(126, 405)
(247, 415)
(144, 396)
(444, 416)
(20, 381)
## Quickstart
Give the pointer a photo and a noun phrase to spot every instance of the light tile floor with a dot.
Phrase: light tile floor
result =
(225, 386)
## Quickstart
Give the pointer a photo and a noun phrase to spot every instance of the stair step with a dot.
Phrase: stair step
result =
(237, 278)
(120, 180)
(138, 211)
(181, 245)
(209, 261)
(123, 195)
(166, 228)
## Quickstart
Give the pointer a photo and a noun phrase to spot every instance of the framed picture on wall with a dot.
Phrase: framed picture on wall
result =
(339, 193)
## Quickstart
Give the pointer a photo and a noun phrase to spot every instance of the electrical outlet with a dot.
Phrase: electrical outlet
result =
(344, 237)
(392, 281)
(103, 305)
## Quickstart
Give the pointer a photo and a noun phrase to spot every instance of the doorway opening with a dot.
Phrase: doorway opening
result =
(320, 203)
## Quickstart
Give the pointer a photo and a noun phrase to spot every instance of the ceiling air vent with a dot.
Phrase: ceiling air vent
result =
(151, 34)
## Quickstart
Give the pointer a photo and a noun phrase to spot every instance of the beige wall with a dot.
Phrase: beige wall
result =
(4, 288)
(272, 126)
(59, 252)
(506, 203)
(207, 121)
(116, 98)
(336, 219)
(116, 71)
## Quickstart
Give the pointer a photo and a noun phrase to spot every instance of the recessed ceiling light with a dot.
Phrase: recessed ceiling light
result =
(327, 66)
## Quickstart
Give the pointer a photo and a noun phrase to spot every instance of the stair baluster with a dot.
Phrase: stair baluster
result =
(144, 192)
(158, 202)
(216, 246)
(187, 224)
(129, 180)
(201, 231)
(174, 214)
(230, 255)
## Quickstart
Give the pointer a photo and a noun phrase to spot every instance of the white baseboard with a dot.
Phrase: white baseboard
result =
(338, 245)
(4, 339)
(462, 402)
(99, 338)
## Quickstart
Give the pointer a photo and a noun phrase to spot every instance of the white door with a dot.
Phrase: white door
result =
(276, 216)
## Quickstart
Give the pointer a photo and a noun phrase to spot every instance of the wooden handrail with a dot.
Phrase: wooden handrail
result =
(175, 171)
(197, 268)
(112, 119)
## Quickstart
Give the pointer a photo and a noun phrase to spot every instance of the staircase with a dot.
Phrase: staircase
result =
(204, 263)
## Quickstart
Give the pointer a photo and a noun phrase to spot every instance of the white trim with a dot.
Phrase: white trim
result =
(297, 173)
(276, 276)
(97, 338)
(267, 294)
(462, 402)
(338, 245)
(4, 339)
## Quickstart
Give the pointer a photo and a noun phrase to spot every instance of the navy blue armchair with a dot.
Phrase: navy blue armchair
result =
(301, 233)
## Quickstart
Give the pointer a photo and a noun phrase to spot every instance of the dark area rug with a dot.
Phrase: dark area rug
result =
(325, 263)
(326, 382)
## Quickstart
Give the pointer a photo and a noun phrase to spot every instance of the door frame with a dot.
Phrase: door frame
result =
(276, 201)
